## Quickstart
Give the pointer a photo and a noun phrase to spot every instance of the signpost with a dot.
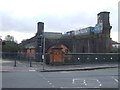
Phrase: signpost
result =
(43, 48)
(43, 56)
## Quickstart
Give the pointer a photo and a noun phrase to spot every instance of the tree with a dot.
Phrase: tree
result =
(9, 50)
(9, 38)
(10, 46)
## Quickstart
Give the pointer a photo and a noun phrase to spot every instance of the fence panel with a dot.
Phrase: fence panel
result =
(69, 58)
(23, 59)
(91, 58)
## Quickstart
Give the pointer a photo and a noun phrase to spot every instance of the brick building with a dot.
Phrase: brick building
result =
(91, 42)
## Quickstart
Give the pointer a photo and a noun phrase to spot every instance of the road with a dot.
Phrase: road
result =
(102, 78)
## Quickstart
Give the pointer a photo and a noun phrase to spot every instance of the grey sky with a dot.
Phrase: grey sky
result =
(58, 15)
(52, 22)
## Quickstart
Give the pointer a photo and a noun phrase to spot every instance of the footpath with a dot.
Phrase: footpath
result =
(8, 66)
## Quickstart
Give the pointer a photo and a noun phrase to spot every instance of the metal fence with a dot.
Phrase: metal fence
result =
(91, 58)
(86, 58)
(69, 58)
(22, 56)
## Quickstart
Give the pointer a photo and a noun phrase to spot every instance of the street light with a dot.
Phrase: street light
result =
(43, 48)
(43, 56)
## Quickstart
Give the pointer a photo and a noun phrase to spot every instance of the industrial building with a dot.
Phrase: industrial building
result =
(86, 40)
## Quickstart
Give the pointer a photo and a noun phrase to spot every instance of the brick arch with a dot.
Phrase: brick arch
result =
(66, 42)
(64, 48)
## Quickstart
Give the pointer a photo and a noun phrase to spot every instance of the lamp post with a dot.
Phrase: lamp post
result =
(41, 46)
(43, 49)
(43, 56)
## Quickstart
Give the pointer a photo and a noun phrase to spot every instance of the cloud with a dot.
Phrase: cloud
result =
(52, 22)
(67, 22)
(58, 15)
(10, 23)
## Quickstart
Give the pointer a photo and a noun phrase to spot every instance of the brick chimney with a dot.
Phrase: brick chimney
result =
(40, 28)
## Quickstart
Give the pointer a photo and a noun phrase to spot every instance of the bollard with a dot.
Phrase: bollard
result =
(30, 62)
(15, 63)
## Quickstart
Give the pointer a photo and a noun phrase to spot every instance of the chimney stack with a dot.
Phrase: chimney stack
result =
(40, 28)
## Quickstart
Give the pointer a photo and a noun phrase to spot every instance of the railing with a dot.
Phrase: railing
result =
(86, 58)
(69, 58)
(91, 58)
(22, 56)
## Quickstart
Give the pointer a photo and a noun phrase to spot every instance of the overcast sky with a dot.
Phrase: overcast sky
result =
(19, 17)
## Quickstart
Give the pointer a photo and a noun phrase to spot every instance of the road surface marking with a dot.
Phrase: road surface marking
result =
(73, 81)
(32, 70)
(115, 79)
(51, 84)
(99, 83)
(71, 87)
(47, 80)
(82, 82)
(65, 72)
(85, 83)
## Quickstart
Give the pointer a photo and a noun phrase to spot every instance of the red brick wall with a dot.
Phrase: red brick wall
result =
(31, 53)
(56, 56)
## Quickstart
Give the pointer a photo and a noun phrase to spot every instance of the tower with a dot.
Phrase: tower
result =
(103, 18)
(40, 36)
(40, 28)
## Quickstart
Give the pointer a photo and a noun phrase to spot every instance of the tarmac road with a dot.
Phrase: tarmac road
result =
(101, 78)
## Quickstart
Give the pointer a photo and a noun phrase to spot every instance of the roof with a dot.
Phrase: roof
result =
(116, 43)
(103, 12)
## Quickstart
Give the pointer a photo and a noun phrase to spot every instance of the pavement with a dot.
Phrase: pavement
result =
(8, 66)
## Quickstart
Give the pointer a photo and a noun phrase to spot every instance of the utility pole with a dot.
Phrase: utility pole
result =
(43, 56)
(88, 46)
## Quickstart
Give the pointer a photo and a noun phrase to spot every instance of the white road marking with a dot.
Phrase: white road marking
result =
(51, 84)
(99, 83)
(115, 79)
(65, 72)
(82, 82)
(32, 70)
(71, 87)
(73, 81)
(47, 80)
(85, 83)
